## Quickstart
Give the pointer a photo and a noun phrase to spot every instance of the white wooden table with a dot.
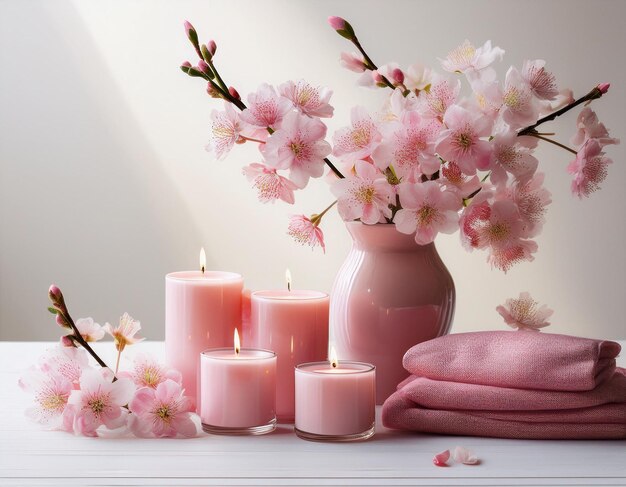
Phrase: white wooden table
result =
(31, 456)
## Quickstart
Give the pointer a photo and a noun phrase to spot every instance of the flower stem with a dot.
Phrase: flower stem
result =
(316, 219)
(79, 338)
(252, 139)
(369, 63)
(117, 363)
(592, 95)
(536, 135)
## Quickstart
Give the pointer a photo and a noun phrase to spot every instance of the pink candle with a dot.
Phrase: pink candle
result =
(295, 325)
(238, 391)
(335, 403)
(202, 310)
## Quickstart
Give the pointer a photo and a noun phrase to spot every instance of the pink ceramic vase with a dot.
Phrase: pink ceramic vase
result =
(389, 295)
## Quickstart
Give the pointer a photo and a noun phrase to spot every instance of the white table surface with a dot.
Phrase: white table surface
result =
(31, 456)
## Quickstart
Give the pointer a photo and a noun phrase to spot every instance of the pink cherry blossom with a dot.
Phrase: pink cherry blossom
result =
(542, 83)
(353, 61)
(163, 411)
(427, 211)
(519, 105)
(265, 108)
(269, 184)
(365, 196)
(309, 99)
(68, 362)
(397, 106)
(589, 169)
(360, 139)
(462, 455)
(467, 57)
(589, 127)
(512, 155)
(498, 227)
(226, 130)
(50, 391)
(299, 146)
(532, 199)
(440, 96)
(89, 330)
(374, 78)
(462, 142)
(124, 333)
(306, 232)
(525, 313)
(417, 77)
(453, 179)
(98, 402)
(148, 372)
(410, 149)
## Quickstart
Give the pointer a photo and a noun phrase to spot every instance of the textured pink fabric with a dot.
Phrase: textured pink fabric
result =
(429, 406)
(402, 413)
(517, 359)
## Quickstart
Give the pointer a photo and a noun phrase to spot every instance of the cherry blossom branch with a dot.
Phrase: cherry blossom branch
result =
(344, 29)
(206, 69)
(65, 320)
(595, 93)
(551, 141)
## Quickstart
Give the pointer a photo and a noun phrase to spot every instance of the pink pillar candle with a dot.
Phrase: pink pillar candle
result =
(238, 391)
(335, 403)
(201, 311)
(295, 325)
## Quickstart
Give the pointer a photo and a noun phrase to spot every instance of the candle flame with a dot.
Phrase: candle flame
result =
(237, 342)
(202, 260)
(333, 358)
(288, 279)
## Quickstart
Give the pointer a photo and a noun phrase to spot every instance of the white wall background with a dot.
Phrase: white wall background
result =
(105, 185)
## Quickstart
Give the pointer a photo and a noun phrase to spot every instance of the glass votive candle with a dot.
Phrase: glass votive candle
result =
(335, 401)
(238, 391)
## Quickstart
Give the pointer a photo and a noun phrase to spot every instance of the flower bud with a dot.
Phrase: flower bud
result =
(213, 93)
(192, 35)
(206, 54)
(61, 321)
(343, 28)
(212, 47)
(336, 23)
(604, 87)
(55, 293)
(204, 67)
(184, 67)
(397, 76)
(234, 93)
(68, 341)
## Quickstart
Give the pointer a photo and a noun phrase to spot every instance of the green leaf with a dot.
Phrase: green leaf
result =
(52, 310)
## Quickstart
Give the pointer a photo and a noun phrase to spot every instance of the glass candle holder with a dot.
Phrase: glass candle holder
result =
(335, 403)
(238, 391)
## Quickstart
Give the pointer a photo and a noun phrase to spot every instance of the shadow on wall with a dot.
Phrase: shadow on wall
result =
(52, 105)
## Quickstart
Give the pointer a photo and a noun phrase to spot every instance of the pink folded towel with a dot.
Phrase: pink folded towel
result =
(523, 360)
(402, 413)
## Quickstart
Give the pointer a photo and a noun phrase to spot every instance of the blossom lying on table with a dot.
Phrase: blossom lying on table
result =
(433, 160)
(72, 395)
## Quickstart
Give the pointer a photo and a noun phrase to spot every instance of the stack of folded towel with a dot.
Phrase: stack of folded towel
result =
(512, 385)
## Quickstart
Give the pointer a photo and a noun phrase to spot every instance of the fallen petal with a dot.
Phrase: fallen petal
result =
(441, 459)
(465, 456)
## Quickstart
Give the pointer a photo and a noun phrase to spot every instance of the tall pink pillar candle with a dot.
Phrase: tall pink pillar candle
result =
(238, 391)
(295, 325)
(201, 311)
(335, 403)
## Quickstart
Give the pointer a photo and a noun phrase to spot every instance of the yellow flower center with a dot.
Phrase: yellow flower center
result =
(498, 231)
(96, 405)
(426, 215)
(53, 402)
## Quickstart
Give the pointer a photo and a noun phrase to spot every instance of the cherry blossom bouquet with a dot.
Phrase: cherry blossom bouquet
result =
(431, 160)
(71, 394)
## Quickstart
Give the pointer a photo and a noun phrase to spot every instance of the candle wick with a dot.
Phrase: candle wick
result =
(202, 269)
(334, 364)
(288, 286)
